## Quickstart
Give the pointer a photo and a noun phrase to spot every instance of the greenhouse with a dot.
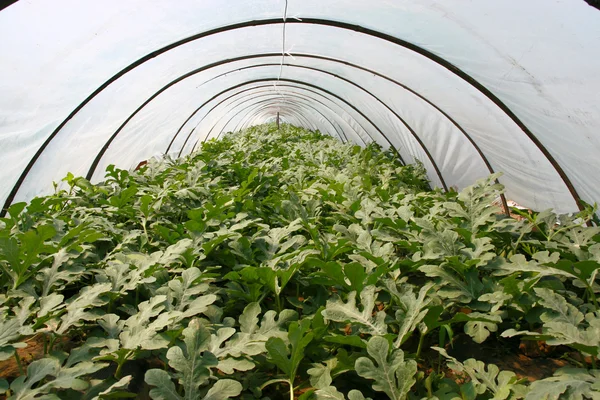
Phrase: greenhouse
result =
(285, 199)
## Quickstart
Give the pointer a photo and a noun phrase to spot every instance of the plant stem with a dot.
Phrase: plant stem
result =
(264, 385)
(19, 364)
(593, 362)
(278, 303)
(592, 295)
(119, 368)
(428, 385)
(421, 340)
(516, 247)
(122, 362)
(145, 231)
(51, 344)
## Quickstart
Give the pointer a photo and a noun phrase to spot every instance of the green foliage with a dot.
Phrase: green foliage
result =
(501, 384)
(392, 374)
(283, 263)
(568, 384)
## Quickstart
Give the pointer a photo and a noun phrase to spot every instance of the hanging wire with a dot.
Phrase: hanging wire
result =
(283, 52)
(283, 40)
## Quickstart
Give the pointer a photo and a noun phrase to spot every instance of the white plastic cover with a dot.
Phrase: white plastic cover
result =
(438, 80)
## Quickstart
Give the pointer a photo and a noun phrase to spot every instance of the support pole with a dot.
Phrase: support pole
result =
(277, 121)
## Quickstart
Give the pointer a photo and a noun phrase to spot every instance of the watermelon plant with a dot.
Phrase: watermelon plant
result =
(282, 263)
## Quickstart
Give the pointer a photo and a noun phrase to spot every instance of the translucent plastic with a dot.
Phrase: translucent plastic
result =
(357, 70)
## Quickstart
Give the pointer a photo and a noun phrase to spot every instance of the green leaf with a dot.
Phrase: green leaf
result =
(88, 297)
(331, 393)
(501, 384)
(251, 338)
(223, 389)
(392, 374)
(193, 365)
(320, 374)
(413, 309)
(64, 377)
(564, 324)
(480, 329)
(561, 311)
(475, 203)
(462, 287)
(13, 328)
(337, 310)
(567, 384)
(164, 388)
(107, 390)
(141, 329)
(36, 371)
(288, 359)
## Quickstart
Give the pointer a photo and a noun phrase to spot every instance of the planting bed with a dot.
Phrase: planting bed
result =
(286, 264)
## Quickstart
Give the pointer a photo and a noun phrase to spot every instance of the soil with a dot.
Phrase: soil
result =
(34, 351)
(9, 369)
(532, 361)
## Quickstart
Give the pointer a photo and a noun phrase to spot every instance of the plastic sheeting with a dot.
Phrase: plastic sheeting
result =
(465, 87)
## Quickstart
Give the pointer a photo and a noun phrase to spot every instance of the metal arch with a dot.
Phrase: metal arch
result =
(258, 108)
(265, 110)
(301, 88)
(231, 96)
(196, 144)
(304, 55)
(186, 140)
(410, 129)
(270, 92)
(458, 126)
(309, 99)
(339, 130)
(299, 82)
(190, 73)
(291, 111)
(107, 144)
(315, 21)
(306, 97)
(301, 102)
(218, 76)
(252, 88)
(245, 101)
(297, 98)
(466, 77)
(288, 110)
(285, 85)
(290, 102)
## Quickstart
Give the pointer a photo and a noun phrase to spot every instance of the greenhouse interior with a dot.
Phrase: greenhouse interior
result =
(300, 199)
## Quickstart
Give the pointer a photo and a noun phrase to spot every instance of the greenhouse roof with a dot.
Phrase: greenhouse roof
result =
(466, 87)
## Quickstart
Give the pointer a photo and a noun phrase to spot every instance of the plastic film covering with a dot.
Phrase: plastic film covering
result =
(467, 88)
(234, 118)
(202, 125)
